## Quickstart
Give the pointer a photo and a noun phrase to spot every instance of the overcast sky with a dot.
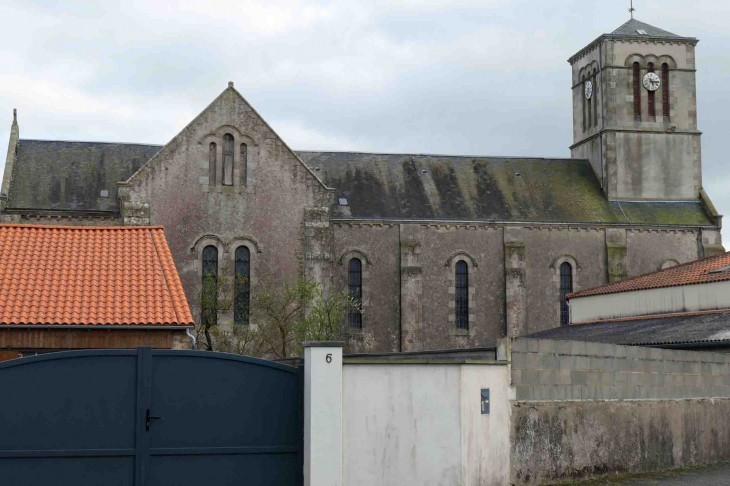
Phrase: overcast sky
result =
(485, 77)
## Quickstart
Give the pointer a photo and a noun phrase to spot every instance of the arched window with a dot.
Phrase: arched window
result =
(462, 295)
(211, 163)
(354, 282)
(244, 163)
(209, 294)
(583, 97)
(595, 99)
(566, 287)
(637, 92)
(242, 286)
(650, 94)
(227, 159)
(665, 91)
(589, 101)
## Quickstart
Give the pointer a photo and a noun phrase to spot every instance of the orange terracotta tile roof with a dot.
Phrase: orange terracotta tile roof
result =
(712, 269)
(60, 275)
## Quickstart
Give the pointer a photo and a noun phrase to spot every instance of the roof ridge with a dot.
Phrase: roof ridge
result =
(423, 154)
(581, 293)
(164, 276)
(622, 26)
(88, 141)
(651, 316)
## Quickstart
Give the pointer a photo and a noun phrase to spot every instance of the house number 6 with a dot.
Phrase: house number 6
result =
(328, 358)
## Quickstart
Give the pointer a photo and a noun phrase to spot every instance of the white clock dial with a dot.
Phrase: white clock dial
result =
(651, 81)
(589, 89)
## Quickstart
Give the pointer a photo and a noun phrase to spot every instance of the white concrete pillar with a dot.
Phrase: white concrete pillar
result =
(322, 413)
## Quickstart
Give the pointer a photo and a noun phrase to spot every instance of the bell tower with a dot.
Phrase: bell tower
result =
(635, 113)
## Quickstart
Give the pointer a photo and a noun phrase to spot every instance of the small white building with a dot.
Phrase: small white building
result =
(684, 306)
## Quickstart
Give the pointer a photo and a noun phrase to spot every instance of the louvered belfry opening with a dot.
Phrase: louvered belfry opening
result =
(665, 91)
(650, 94)
(637, 92)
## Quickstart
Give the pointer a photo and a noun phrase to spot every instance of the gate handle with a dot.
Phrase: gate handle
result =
(149, 417)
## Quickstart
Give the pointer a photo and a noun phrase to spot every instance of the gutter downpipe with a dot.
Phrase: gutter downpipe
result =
(187, 331)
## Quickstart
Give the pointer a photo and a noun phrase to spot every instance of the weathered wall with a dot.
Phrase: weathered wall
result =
(411, 424)
(657, 166)
(377, 248)
(558, 441)
(651, 250)
(264, 208)
(513, 273)
(580, 409)
(546, 249)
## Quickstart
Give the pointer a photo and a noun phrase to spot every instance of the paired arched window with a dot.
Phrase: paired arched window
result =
(209, 294)
(650, 94)
(462, 295)
(665, 91)
(637, 92)
(212, 148)
(227, 159)
(242, 286)
(566, 287)
(354, 284)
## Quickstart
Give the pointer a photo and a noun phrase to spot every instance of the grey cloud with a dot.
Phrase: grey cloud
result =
(455, 77)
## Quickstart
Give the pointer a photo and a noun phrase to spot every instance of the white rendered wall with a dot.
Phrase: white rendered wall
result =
(421, 425)
(686, 298)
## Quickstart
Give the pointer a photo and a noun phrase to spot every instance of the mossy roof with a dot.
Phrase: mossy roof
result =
(61, 175)
(395, 186)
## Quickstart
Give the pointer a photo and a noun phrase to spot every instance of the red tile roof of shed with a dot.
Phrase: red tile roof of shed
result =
(60, 275)
(712, 269)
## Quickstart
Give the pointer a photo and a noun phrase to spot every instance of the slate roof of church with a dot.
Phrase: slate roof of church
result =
(51, 174)
(630, 29)
(401, 186)
(680, 329)
(60, 175)
(94, 276)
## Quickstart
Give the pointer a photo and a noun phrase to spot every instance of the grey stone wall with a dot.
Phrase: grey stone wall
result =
(513, 272)
(559, 441)
(582, 409)
(276, 210)
(574, 370)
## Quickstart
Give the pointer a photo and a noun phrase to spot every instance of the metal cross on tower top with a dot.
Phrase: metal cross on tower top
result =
(631, 9)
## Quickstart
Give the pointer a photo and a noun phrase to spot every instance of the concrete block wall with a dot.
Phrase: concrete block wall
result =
(574, 370)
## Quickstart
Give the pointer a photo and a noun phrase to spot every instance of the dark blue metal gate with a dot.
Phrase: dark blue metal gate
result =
(147, 417)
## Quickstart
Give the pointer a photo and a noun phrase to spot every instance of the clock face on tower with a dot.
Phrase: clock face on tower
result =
(589, 89)
(651, 81)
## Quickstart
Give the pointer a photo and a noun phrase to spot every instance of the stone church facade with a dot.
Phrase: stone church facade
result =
(448, 251)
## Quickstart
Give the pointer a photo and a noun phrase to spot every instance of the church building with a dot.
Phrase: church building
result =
(446, 251)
